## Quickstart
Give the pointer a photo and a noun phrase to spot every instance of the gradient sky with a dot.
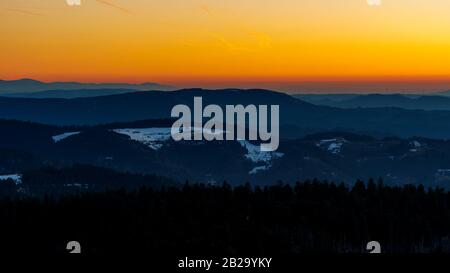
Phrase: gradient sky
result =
(294, 45)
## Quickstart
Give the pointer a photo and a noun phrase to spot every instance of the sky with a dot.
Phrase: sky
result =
(289, 45)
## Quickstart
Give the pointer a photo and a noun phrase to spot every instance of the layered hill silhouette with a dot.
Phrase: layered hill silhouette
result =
(71, 94)
(295, 114)
(412, 102)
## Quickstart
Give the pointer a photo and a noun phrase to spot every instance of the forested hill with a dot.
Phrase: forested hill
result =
(130, 107)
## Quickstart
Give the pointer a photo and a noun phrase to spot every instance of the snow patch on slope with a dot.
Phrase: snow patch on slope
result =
(257, 156)
(63, 136)
(255, 170)
(415, 146)
(17, 178)
(333, 145)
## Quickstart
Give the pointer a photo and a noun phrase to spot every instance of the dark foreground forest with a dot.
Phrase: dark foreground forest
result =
(307, 217)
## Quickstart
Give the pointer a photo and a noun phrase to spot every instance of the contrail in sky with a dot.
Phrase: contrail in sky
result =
(23, 11)
(109, 3)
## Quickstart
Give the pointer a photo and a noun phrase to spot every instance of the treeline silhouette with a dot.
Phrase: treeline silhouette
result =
(56, 182)
(307, 217)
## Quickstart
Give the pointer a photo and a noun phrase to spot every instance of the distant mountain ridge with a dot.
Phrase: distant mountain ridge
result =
(25, 86)
(405, 101)
(71, 94)
(401, 101)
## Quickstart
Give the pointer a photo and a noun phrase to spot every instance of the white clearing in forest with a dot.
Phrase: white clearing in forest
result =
(152, 137)
(155, 137)
(17, 178)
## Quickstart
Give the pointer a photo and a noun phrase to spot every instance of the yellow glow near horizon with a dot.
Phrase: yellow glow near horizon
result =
(195, 41)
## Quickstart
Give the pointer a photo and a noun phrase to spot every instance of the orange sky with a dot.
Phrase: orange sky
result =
(401, 44)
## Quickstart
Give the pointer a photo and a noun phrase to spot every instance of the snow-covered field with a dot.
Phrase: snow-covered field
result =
(152, 137)
(60, 137)
(17, 178)
(155, 137)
